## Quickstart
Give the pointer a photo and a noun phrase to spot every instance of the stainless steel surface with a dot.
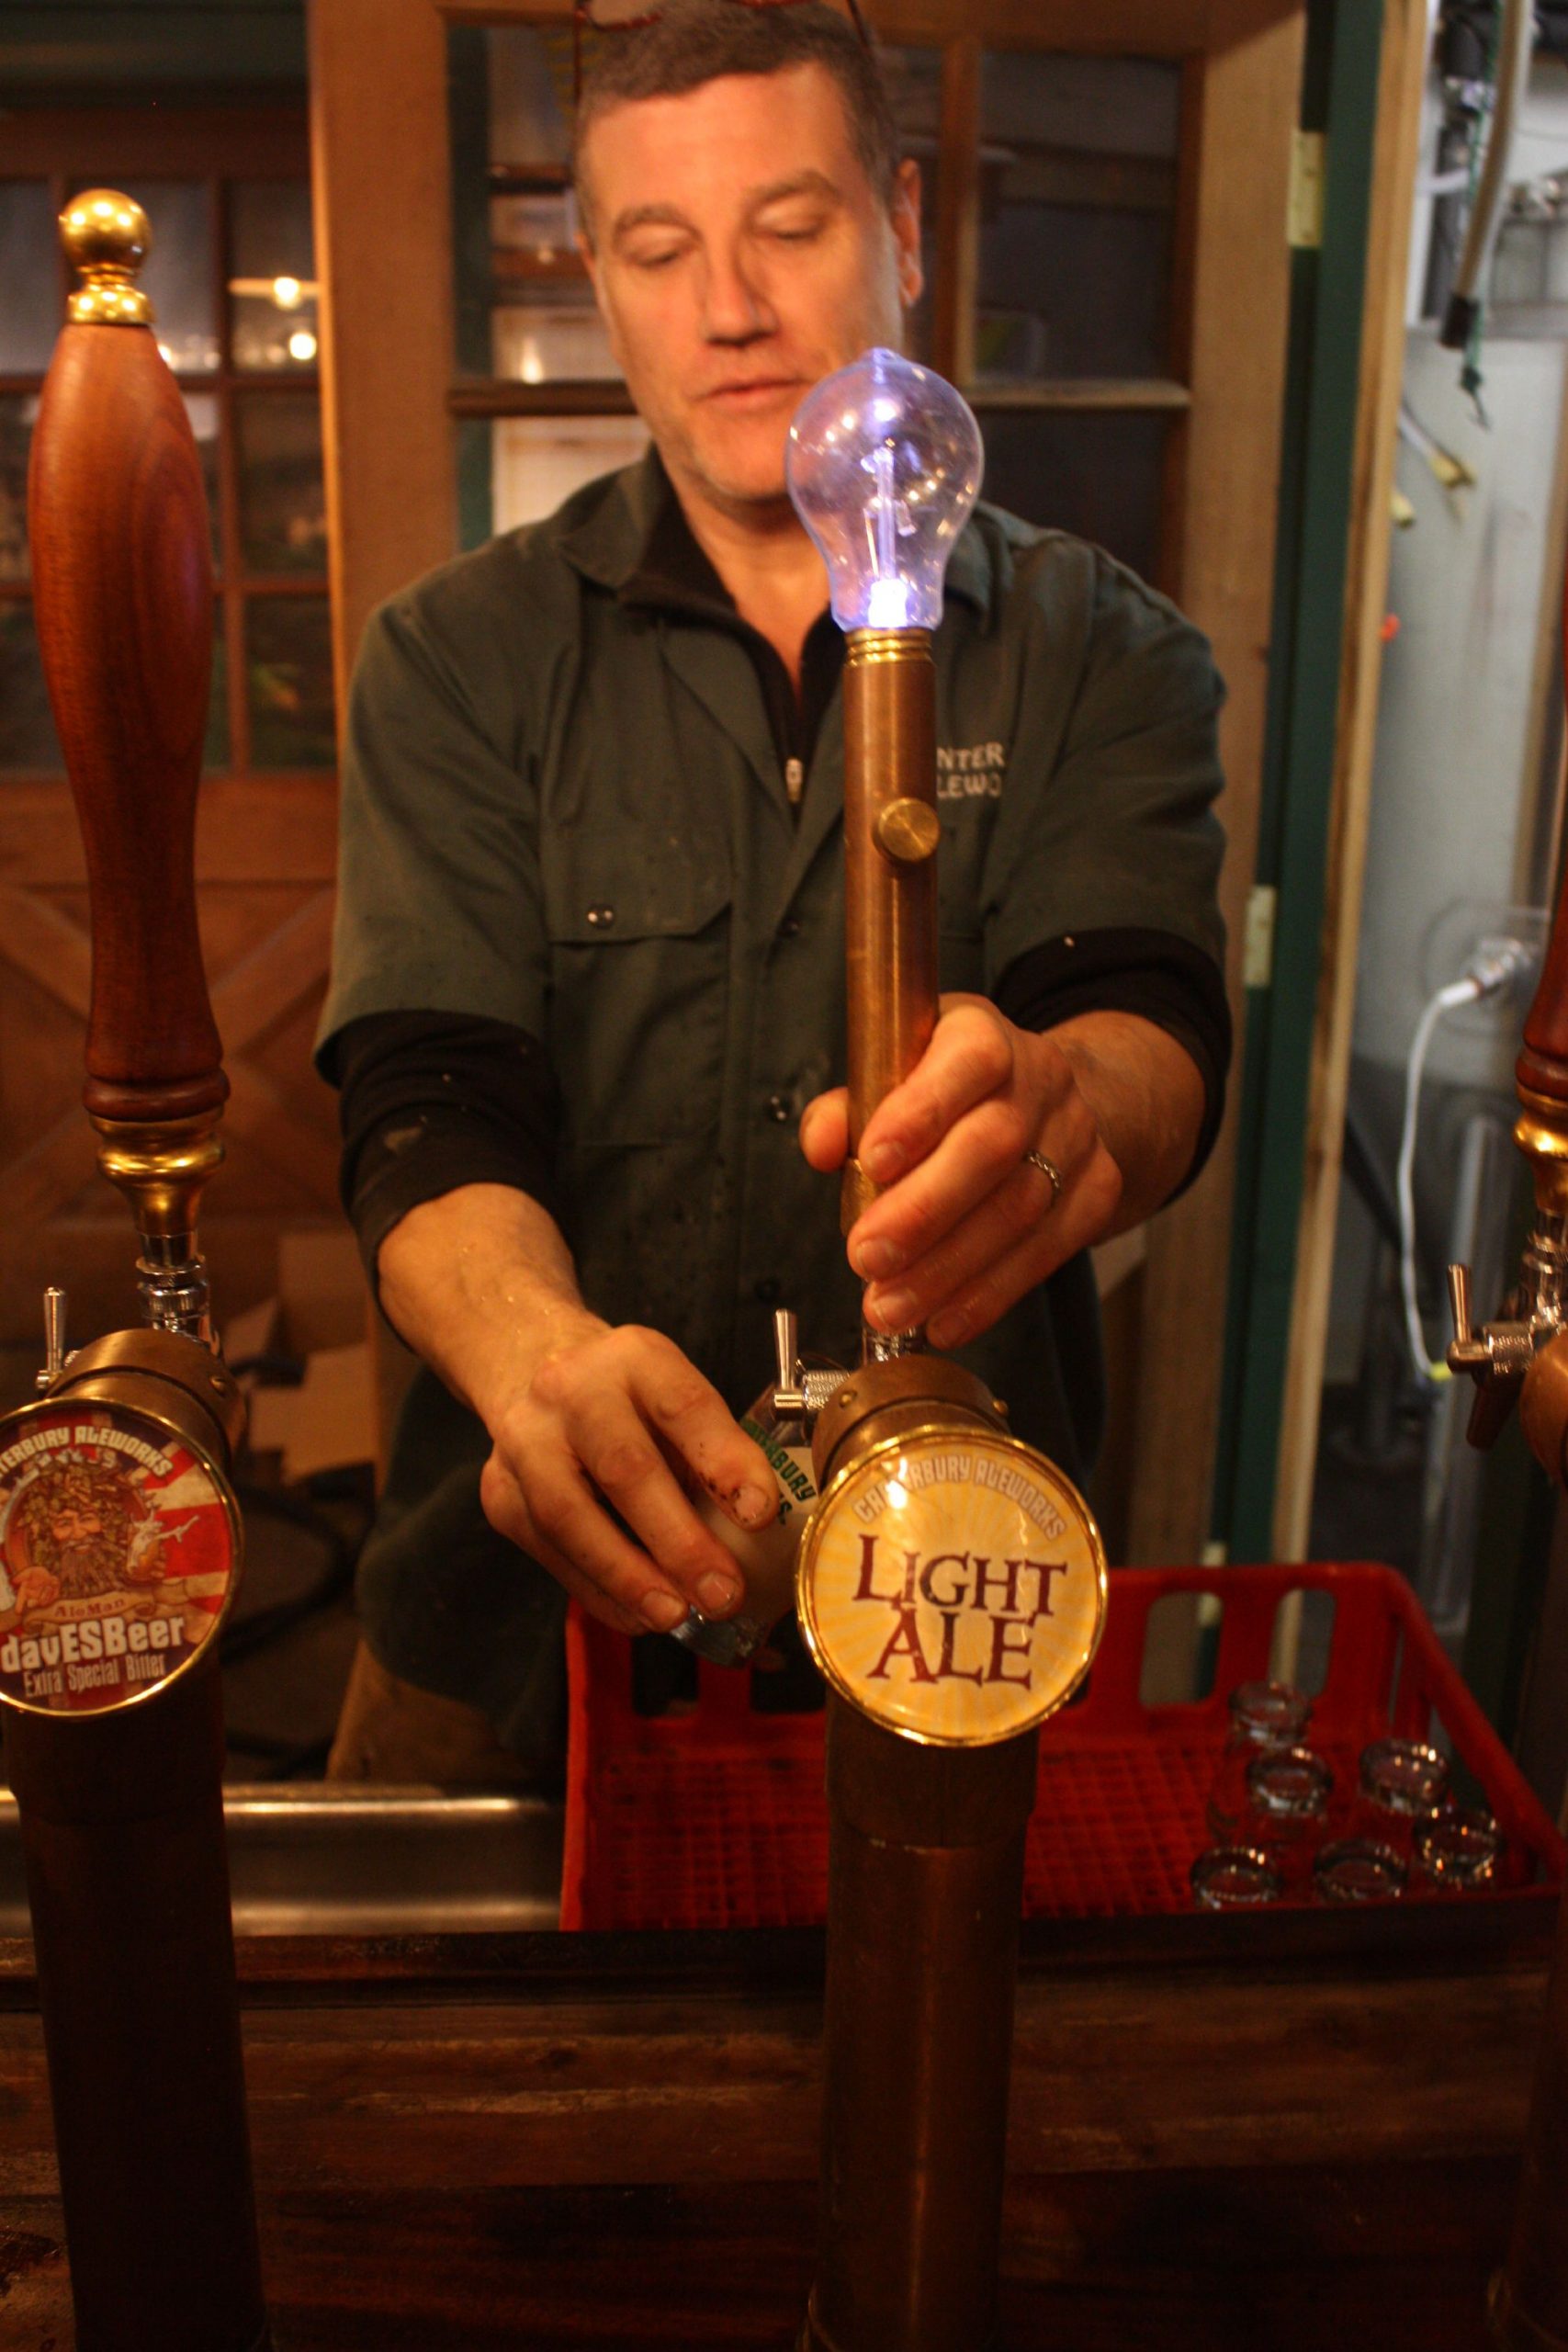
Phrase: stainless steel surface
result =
(318, 1860)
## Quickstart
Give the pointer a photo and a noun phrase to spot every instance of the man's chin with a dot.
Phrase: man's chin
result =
(744, 468)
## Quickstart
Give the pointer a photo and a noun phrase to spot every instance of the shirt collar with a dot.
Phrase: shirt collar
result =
(635, 540)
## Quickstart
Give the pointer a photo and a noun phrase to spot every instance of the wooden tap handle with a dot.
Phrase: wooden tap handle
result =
(122, 587)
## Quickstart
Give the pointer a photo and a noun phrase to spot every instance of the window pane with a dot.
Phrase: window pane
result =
(1078, 195)
(177, 274)
(1099, 475)
(289, 655)
(282, 514)
(914, 79)
(525, 310)
(202, 410)
(272, 275)
(535, 461)
(33, 305)
(17, 420)
(28, 740)
(528, 75)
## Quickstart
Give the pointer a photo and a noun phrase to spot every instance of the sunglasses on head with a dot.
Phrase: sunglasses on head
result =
(633, 15)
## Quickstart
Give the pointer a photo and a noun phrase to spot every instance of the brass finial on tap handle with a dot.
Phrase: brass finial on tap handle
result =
(123, 592)
(107, 239)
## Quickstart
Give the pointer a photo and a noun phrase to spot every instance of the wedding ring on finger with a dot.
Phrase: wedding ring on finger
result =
(1049, 1170)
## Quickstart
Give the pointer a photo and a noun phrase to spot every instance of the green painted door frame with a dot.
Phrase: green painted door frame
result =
(1328, 283)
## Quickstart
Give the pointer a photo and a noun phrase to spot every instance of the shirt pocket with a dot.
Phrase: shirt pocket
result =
(639, 920)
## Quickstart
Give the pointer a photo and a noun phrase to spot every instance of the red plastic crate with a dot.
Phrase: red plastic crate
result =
(716, 1818)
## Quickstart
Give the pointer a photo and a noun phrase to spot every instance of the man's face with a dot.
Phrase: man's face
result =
(742, 254)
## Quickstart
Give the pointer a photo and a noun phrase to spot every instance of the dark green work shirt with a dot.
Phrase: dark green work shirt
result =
(565, 810)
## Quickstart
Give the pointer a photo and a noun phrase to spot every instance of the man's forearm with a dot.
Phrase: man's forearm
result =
(479, 1283)
(1147, 1098)
(599, 1436)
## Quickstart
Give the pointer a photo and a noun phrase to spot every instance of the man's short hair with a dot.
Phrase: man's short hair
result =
(694, 41)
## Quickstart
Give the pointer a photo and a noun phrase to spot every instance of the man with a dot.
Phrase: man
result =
(589, 971)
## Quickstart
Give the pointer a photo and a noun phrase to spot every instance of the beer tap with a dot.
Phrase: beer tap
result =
(950, 1582)
(1521, 1355)
(119, 1534)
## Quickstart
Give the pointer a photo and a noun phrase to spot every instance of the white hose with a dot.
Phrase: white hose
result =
(1463, 991)
(1514, 45)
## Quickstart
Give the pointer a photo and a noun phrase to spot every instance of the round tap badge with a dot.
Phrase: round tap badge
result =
(119, 1552)
(951, 1586)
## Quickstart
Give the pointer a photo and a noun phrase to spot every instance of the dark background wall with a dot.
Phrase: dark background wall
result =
(87, 51)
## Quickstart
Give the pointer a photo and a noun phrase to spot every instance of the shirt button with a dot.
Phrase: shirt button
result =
(790, 927)
(780, 1109)
(769, 1291)
(600, 918)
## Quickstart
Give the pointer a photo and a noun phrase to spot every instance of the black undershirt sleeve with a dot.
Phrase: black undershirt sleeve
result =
(430, 1100)
(1151, 973)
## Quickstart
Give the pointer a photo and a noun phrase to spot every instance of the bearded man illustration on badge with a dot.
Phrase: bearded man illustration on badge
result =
(79, 1531)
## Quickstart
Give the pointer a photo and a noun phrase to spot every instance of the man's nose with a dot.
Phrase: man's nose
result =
(736, 308)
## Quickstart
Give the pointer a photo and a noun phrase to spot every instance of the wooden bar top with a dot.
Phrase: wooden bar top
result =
(1281, 2134)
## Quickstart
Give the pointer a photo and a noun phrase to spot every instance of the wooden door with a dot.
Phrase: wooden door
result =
(232, 282)
(1193, 399)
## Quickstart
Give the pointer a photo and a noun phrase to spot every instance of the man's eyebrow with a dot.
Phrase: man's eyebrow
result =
(808, 183)
(645, 215)
(669, 216)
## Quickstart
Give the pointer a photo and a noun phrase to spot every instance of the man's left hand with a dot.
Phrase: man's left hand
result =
(967, 1222)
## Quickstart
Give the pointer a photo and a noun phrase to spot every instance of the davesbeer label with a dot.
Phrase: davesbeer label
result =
(953, 1587)
(117, 1557)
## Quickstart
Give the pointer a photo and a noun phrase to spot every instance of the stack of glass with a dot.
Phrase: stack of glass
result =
(1282, 1830)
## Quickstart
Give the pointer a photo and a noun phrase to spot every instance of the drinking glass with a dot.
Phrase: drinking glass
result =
(1262, 1714)
(1234, 1878)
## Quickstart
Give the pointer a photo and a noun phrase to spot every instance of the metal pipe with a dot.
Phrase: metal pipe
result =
(122, 1830)
(926, 1875)
(891, 832)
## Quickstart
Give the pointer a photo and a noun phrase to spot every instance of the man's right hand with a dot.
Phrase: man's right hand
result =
(600, 1435)
(615, 1420)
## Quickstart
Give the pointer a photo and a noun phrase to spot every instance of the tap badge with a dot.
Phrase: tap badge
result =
(952, 1587)
(119, 1552)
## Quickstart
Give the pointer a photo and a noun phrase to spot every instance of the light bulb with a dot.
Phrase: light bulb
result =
(884, 465)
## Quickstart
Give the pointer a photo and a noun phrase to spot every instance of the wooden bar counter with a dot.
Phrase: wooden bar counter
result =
(1283, 2133)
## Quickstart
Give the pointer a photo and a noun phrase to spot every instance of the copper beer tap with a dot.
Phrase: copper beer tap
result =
(119, 1536)
(938, 1687)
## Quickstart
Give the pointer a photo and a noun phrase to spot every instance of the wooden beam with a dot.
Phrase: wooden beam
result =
(151, 141)
(1111, 28)
(381, 179)
(1245, 110)
(1402, 77)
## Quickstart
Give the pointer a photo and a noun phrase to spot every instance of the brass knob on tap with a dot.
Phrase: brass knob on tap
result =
(106, 238)
(908, 831)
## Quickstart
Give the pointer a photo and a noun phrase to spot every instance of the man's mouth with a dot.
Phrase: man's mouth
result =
(754, 391)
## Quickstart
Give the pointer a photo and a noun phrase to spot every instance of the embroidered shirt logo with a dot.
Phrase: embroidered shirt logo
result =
(971, 771)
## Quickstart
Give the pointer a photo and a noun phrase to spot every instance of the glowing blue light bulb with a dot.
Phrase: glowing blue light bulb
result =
(884, 464)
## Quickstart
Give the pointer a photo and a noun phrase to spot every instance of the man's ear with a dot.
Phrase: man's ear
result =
(906, 217)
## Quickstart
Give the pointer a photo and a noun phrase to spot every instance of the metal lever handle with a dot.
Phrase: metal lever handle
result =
(1459, 1303)
(798, 1395)
(54, 1304)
